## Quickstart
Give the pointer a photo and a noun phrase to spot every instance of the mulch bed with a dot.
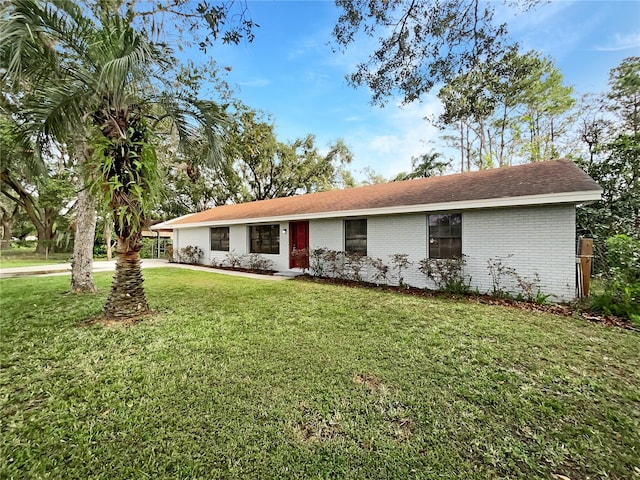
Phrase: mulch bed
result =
(565, 310)
(232, 269)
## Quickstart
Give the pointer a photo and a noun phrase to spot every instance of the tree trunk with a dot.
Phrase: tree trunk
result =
(6, 234)
(7, 226)
(461, 147)
(468, 150)
(82, 264)
(45, 243)
(127, 298)
(503, 126)
(481, 156)
(38, 216)
(108, 239)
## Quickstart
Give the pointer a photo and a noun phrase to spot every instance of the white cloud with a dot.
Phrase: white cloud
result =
(401, 133)
(258, 82)
(545, 29)
(540, 16)
(621, 42)
(305, 47)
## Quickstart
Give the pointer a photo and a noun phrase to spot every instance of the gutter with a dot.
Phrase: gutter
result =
(575, 198)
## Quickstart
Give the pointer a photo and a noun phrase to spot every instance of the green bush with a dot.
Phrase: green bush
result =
(621, 294)
(447, 273)
(623, 256)
(99, 250)
(148, 245)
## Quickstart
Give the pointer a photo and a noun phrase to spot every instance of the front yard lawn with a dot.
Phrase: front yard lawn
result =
(241, 378)
(27, 257)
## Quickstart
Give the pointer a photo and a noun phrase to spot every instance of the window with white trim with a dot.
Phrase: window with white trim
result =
(355, 236)
(445, 235)
(219, 239)
(264, 239)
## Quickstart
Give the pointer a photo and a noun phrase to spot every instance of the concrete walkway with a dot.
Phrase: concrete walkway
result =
(110, 266)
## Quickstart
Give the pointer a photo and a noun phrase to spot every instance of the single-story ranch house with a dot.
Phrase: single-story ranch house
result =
(523, 215)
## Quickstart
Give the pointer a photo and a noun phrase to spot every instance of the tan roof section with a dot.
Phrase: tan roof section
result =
(545, 178)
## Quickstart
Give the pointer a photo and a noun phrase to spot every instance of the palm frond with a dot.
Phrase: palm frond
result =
(194, 119)
(61, 110)
(125, 55)
(38, 35)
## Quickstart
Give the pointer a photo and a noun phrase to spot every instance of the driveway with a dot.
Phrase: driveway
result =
(110, 266)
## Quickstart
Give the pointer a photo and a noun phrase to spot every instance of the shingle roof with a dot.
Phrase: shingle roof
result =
(544, 178)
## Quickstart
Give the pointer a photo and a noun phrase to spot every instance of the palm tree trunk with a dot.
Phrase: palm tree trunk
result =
(82, 264)
(127, 298)
(107, 238)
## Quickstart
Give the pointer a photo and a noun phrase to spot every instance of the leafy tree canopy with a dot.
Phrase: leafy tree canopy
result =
(514, 110)
(624, 95)
(255, 165)
(613, 159)
(421, 44)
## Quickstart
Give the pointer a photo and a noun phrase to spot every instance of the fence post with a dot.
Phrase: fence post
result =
(586, 258)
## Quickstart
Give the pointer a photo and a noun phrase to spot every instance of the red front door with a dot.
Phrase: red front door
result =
(299, 244)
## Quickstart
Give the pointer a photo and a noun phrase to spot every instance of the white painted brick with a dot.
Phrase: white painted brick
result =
(192, 237)
(539, 239)
(531, 240)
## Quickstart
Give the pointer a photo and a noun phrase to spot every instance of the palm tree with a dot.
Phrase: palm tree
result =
(426, 165)
(110, 98)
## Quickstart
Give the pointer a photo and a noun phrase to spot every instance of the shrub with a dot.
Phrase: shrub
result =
(337, 264)
(618, 298)
(147, 248)
(528, 289)
(400, 261)
(354, 265)
(621, 295)
(446, 273)
(302, 258)
(334, 261)
(381, 271)
(257, 262)
(99, 250)
(499, 271)
(623, 257)
(233, 259)
(190, 254)
(317, 261)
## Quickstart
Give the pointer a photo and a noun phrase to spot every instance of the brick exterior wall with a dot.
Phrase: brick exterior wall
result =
(388, 235)
(238, 244)
(533, 240)
(327, 233)
(194, 237)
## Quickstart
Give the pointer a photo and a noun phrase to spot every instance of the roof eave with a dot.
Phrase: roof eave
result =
(575, 198)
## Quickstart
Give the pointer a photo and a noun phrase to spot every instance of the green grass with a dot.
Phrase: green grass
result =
(26, 257)
(240, 378)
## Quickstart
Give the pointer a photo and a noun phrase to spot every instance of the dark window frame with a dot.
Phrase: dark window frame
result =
(220, 240)
(264, 239)
(353, 238)
(444, 235)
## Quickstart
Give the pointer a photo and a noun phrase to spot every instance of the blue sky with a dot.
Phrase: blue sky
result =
(291, 72)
